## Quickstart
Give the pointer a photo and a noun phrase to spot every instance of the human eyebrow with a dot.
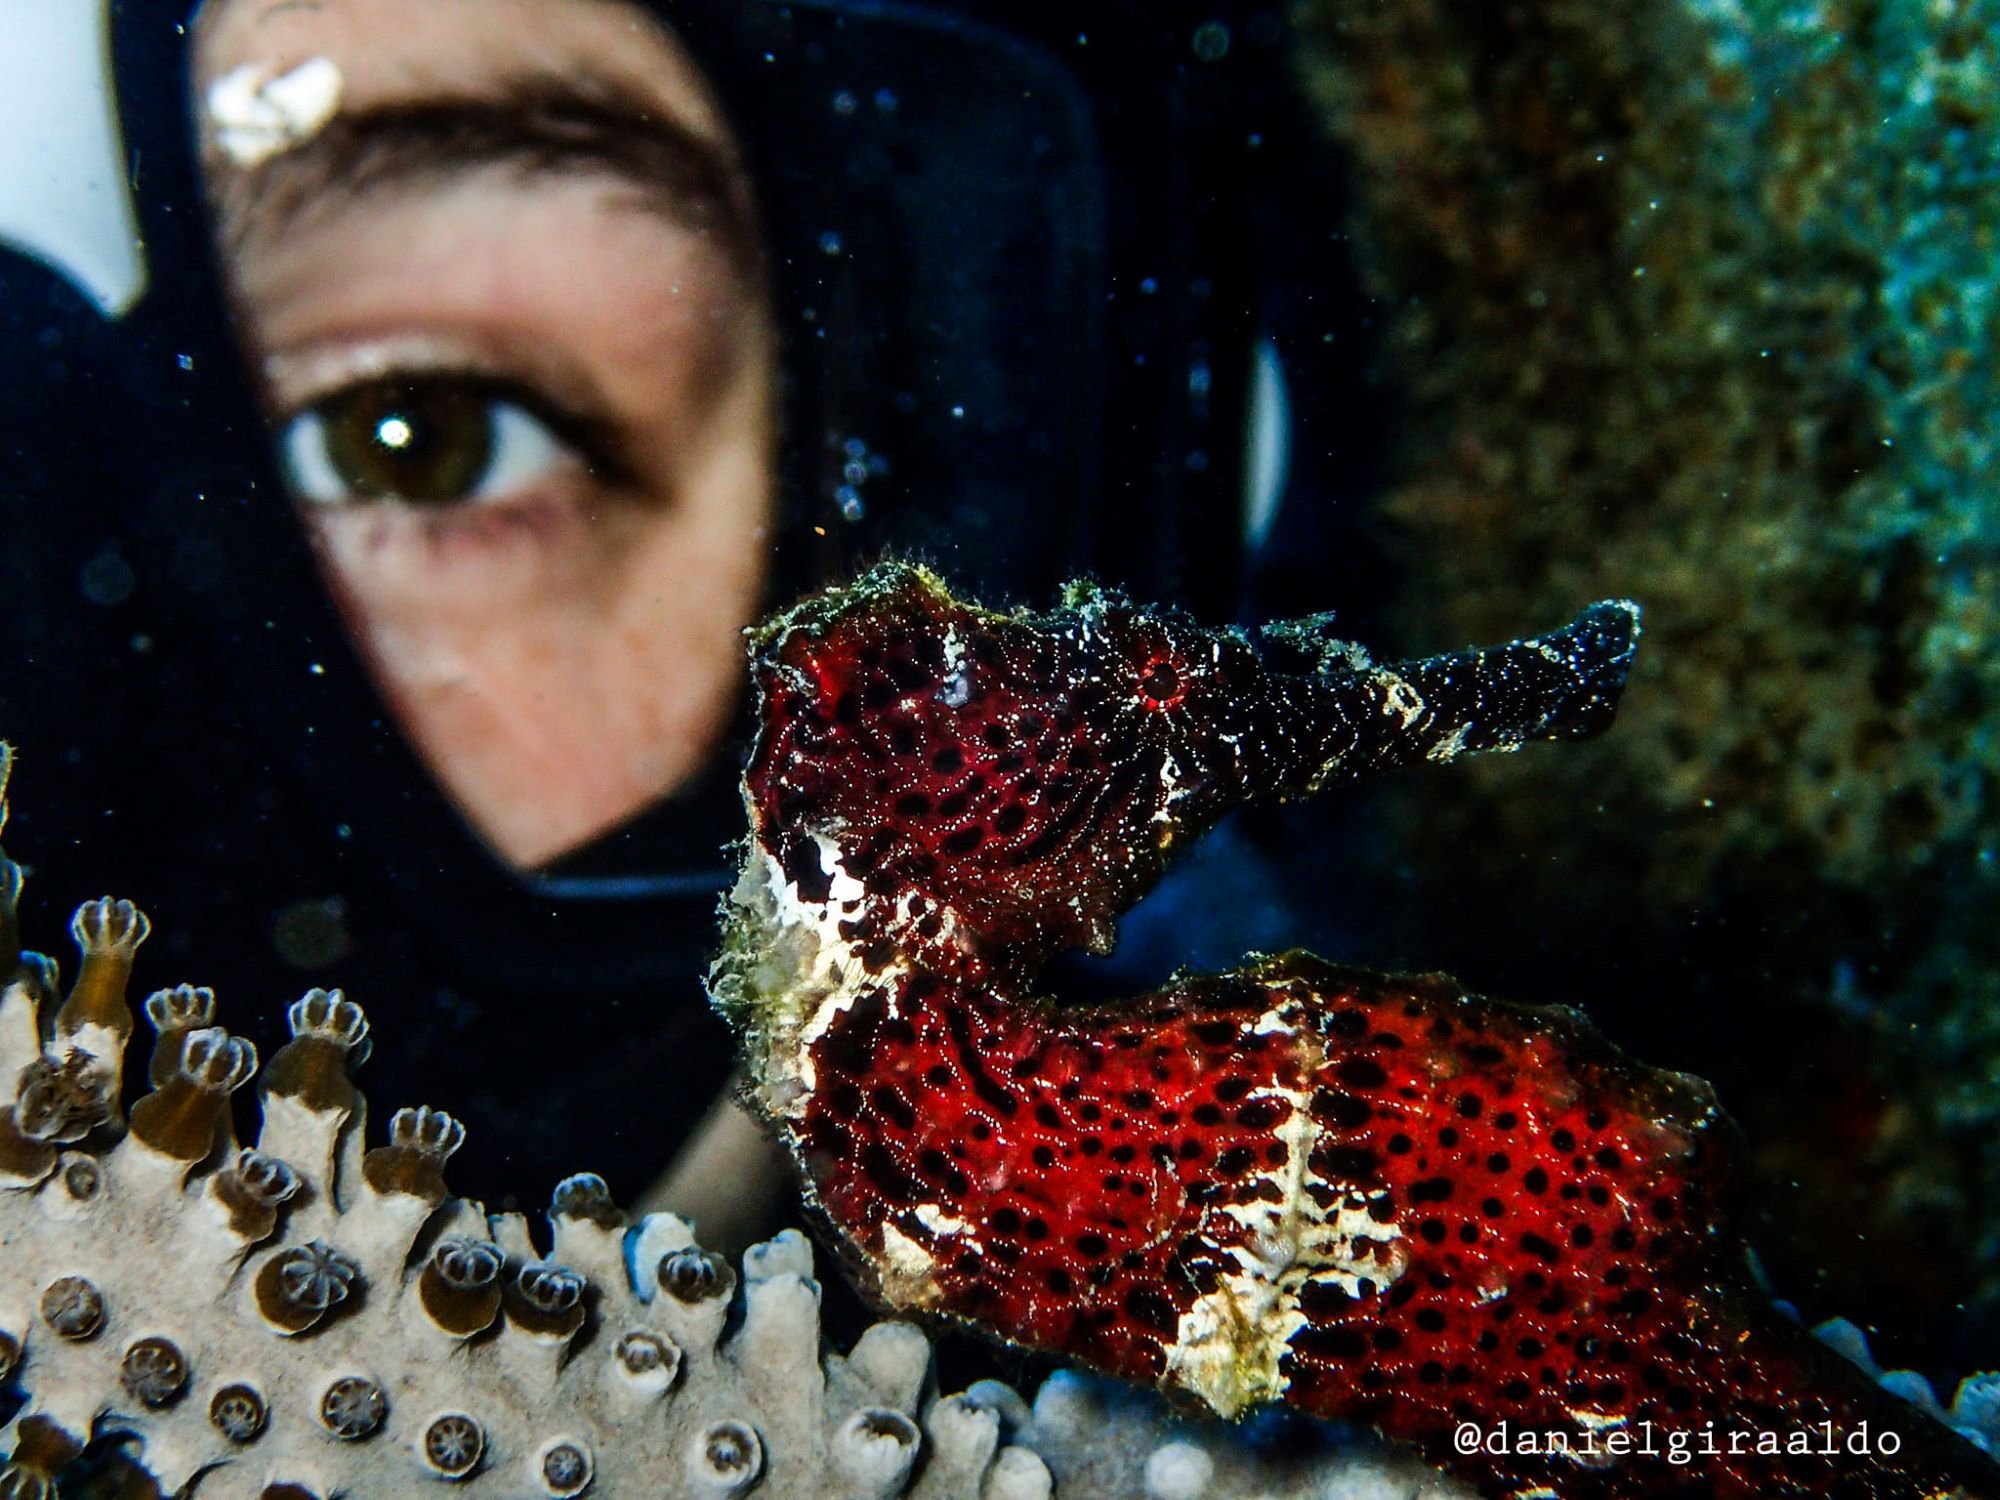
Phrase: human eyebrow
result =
(540, 126)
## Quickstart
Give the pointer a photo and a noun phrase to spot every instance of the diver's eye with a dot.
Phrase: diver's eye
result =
(438, 441)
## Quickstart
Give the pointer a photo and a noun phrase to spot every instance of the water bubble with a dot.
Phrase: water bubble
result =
(958, 411)
(844, 103)
(311, 934)
(829, 243)
(1211, 41)
(854, 448)
(886, 101)
(848, 498)
(854, 471)
(107, 578)
(1149, 286)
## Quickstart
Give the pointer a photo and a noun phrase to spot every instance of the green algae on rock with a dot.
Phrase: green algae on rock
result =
(1698, 297)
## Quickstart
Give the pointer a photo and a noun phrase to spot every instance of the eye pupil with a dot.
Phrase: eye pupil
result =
(427, 443)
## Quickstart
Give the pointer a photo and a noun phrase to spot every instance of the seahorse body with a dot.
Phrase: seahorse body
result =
(1375, 1198)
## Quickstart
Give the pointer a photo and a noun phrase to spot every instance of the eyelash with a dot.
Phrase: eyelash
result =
(525, 436)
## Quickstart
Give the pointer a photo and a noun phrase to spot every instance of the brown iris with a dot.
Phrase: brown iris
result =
(429, 442)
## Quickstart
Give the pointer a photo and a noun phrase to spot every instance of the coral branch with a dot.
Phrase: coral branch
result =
(303, 1320)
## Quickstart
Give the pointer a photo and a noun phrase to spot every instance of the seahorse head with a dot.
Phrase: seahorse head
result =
(941, 785)
(991, 787)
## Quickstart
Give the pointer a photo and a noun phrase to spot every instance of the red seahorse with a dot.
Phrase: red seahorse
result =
(1372, 1197)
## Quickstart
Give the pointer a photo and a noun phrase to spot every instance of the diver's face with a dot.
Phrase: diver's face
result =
(496, 262)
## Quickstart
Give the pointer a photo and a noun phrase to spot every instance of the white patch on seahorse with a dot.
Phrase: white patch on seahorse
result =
(839, 978)
(937, 1221)
(788, 967)
(1228, 1345)
(956, 687)
(906, 1269)
(804, 972)
(1172, 789)
(1451, 746)
(1401, 699)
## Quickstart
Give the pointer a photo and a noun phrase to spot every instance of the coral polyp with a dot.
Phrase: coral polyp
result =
(1369, 1197)
(314, 1318)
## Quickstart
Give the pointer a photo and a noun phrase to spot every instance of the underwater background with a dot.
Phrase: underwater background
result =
(1689, 301)
(1694, 300)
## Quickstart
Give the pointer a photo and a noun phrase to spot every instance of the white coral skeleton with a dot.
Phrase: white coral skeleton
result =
(301, 1317)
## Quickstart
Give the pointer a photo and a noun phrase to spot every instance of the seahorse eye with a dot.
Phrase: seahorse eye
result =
(1161, 683)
